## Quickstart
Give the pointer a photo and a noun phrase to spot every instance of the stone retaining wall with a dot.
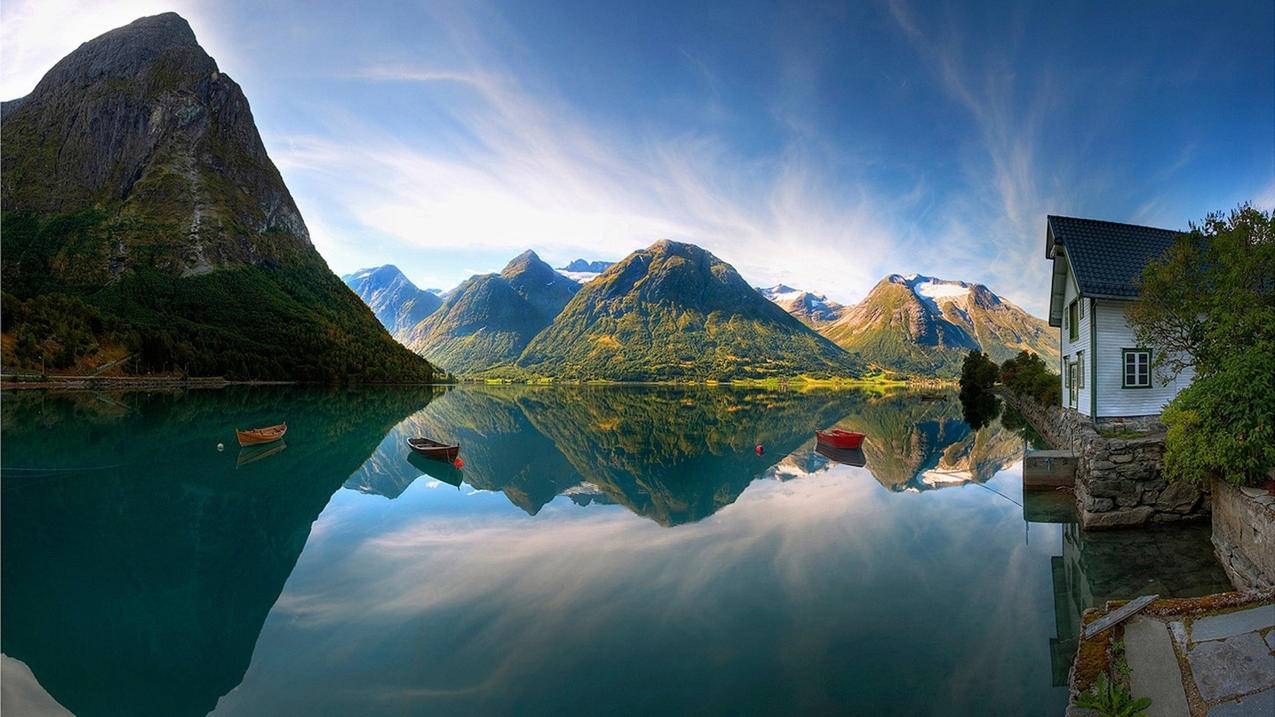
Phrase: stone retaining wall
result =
(1118, 480)
(1244, 535)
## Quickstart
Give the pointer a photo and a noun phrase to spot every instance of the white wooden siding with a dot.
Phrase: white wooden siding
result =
(1071, 350)
(1114, 335)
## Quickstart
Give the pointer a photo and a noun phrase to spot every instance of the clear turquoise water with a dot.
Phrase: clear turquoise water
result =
(613, 550)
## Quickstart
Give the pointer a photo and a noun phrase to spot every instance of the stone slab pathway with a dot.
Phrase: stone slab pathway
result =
(1233, 666)
(1154, 667)
(1230, 624)
(1261, 704)
(1220, 665)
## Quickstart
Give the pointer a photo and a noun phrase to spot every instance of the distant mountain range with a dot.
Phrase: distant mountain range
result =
(393, 298)
(923, 325)
(144, 226)
(811, 309)
(488, 320)
(584, 271)
(676, 311)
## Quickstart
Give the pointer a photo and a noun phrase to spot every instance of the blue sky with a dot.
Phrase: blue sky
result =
(822, 145)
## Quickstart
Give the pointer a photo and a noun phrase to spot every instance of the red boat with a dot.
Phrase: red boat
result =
(838, 438)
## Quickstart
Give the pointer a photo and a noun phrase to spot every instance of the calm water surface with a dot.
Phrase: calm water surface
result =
(602, 551)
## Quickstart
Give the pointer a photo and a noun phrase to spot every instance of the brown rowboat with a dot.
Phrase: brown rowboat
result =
(434, 449)
(257, 436)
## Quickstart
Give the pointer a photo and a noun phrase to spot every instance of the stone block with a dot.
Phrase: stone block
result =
(1178, 497)
(1235, 666)
(1121, 457)
(1117, 518)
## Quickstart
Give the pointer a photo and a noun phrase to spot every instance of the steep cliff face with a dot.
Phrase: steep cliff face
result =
(140, 121)
(144, 219)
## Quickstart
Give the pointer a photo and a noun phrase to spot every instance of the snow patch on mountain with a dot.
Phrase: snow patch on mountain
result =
(805, 305)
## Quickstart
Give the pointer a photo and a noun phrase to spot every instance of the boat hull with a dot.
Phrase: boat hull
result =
(434, 450)
(840, 439)
(259, 436)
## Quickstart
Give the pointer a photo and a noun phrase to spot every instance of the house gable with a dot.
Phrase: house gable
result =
(1096, 265)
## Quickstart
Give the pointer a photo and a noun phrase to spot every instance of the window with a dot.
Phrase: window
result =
(1137, 368)
(1082, 309)
(1080, 369)
(1073, 322)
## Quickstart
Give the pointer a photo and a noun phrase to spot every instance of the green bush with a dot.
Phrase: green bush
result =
(1027, 375)
(1223, 424)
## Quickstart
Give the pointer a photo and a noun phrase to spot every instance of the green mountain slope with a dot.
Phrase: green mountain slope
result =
(489, 318)
(675, 311)
(143, 219)
(925, 326)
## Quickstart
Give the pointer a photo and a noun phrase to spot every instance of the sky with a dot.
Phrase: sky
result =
(821, 145)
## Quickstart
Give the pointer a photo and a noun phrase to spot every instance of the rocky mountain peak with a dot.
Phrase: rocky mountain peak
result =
(140, 123)
(528, 261)
(125, 51)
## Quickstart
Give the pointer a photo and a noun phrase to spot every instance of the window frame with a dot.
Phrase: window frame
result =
(1073, 320)
(1124, 368)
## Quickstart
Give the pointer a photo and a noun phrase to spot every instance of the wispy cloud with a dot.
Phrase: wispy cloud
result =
(530, 173)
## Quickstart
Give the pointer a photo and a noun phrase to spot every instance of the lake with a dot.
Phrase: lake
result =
(603, 550)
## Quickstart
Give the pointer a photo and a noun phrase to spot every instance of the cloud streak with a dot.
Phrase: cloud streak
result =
(530, 173)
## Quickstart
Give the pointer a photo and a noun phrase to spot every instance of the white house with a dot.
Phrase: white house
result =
(1105, 373)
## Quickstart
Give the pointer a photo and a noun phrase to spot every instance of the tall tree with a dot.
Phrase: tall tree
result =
(1209, 304)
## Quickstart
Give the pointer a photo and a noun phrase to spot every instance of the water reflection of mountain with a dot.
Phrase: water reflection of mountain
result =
(913, 445)
(140, 588)
(679, 454)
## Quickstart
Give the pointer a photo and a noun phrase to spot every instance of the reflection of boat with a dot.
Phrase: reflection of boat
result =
(838, 438)
(252, 455)
(438, 470)
(257, 436)
(433, 449)
(848, 456)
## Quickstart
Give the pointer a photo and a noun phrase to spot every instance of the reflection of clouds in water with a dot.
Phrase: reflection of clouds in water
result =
(456, 560)
(531, 582)
(22, 694)
(485, 606)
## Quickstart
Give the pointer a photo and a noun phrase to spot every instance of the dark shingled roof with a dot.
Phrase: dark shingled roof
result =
(1107, 256)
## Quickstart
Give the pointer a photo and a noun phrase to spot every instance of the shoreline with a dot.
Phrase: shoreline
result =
(34, 382)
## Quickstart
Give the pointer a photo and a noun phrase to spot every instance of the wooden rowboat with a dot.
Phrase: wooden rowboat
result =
(257, 436)
(433, 449)
(838, 438)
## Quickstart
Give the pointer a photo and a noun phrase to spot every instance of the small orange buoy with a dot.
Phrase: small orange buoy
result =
(458, 463)
(759, 449)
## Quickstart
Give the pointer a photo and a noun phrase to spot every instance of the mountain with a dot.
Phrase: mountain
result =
(392, 297)
(489, 318)
(144, 223)
(923, 325)
(675, 311)
(811, 309)
(584, 271)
